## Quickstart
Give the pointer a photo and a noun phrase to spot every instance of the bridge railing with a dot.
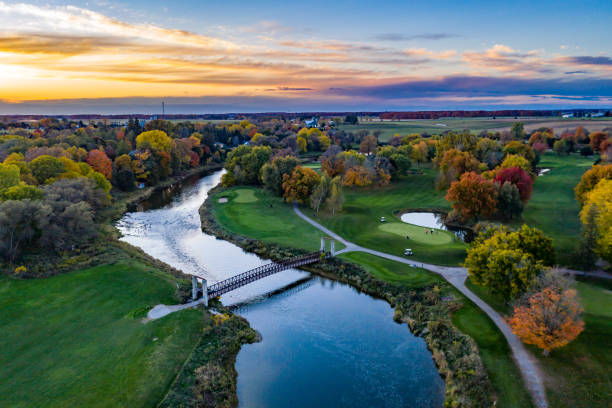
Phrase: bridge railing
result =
(262, 271)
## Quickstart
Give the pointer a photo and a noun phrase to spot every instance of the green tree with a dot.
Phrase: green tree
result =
(561, 147)
(518, 131)
(9, 175)
(244, 163)
(587, 250)
(272, 173)
(20, 224)
(46, 167)
(335, 201)
(509, 203)
(320, 193)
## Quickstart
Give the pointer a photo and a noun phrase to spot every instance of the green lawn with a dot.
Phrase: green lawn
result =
(580, 374)
(494, 349)
(78, 340)
(359, 220)
(267, 218)
(552, 206)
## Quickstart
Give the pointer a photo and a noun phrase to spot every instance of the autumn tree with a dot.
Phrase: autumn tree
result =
(100, 162)
(331, 161)
(272, 173)
(514, 160)
(518, 131)
(473, 196)
(357, 176)
(453, 164)
(596, 139)
(156, 140)
(9, 175)
(521, 149)
(590, 179)
(548, 319)
(598, 210)
(561, 147)
(506, 261)
(300, 184)
(518, 177)
(368, 144)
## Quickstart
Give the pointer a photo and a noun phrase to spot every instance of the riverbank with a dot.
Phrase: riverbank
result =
(425, 308)
(92, 302)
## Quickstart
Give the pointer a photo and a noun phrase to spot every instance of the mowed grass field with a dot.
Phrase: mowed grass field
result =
(553, 207)
(78, 340)
(578, 375)
(266, 218)
(494, 349)
(359, 220)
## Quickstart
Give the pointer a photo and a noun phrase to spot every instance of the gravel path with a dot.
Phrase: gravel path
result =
(456, 276)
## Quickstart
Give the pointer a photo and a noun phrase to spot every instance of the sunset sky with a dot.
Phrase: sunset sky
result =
(255, 56)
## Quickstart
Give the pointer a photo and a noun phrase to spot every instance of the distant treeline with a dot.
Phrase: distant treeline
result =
(301, 115)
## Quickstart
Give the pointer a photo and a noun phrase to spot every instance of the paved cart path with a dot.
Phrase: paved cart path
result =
(526, 362)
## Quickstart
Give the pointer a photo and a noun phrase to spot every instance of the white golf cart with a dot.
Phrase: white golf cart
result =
(408, 252)
(383, 219)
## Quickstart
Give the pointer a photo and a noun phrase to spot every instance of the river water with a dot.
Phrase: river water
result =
(324, 344)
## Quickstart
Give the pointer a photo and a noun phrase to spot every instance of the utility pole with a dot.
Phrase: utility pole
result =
(163, 108)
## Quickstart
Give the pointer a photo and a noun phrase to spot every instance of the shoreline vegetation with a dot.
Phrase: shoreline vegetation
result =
(112, 272)
(427, 310)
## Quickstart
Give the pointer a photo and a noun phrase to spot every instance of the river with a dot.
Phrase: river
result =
(324, 344)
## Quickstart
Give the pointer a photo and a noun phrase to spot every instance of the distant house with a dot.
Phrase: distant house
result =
(312, 123)
(567, 115)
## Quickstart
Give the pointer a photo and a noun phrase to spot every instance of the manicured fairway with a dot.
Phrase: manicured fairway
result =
(266, 218)
(494, 349)
(77, 340)
(359, 220)
(553, 208)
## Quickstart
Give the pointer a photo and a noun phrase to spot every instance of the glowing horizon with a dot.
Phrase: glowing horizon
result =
(57, 53)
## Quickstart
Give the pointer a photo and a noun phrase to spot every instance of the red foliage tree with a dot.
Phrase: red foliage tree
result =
(100, 162)
(473, 195)
(520, 178)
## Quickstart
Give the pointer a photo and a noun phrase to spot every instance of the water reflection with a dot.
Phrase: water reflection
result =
(324, 344)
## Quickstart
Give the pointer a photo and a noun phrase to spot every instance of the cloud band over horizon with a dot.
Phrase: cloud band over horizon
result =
(54, 55)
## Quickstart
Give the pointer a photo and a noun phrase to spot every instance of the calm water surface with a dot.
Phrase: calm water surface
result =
(324, 344)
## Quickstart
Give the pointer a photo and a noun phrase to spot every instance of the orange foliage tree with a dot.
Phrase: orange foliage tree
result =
(100, 162)
(299, 186)
(548, 319)
(472, 196)
(357, 176)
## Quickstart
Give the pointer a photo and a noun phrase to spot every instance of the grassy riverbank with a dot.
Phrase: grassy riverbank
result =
(493, 347)
(78, 339)
(580, 374)
(412, 282)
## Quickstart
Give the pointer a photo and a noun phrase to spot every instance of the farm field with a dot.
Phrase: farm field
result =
(475, 125)
(78, 339)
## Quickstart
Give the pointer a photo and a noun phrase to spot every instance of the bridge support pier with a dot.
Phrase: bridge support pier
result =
(194, 287)
(205, 292)
(333, 247)
(322, 244)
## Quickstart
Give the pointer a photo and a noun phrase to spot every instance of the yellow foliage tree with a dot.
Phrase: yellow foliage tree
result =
(601, 199)
(157, 140)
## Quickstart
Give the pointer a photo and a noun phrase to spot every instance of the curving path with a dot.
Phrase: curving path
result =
(456, 276)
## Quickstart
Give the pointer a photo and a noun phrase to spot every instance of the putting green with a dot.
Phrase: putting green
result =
(416, 233)
(245, 195)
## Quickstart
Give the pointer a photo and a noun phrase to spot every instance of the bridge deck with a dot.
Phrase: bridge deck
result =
(252, 275)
